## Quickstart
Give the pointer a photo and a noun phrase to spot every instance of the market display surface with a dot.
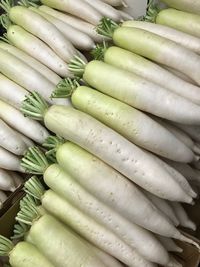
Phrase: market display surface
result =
(100, 129)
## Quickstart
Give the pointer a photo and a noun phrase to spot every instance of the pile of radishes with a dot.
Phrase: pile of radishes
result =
(119, 142)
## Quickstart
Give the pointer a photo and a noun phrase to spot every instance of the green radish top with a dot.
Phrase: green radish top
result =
(52, 143)
(6, 246)
(35, 161)
(152, 11)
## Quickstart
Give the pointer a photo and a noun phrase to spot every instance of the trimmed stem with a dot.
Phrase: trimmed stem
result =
(34, 161)
(7, 4)
(35, 190)
(28, 214)
(6, 246)
(65, 88)
(152, 11)
(28, 3)
(4, 38)
(34, 106)
(20, 230)
(29, 198)
(107, 27)
(99, 51)
(5, 21)
(52, 144)
(77, 66)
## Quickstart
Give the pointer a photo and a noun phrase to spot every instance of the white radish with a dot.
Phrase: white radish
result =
(178, 177)
(25, 76)
(11, 93)
(79, 39)
(78, 8)
(10, 140)
(13, 117)
(107, 259)
(114, 150)
(192, 130)
(181, 135)
(3, 198)
(164, 207)
(37, 49)
(75, 22)
(182, 216)
(138, 92)
(100, 236)
(179, 74)
(32, 62)
(149, 70)
(169, 244)
(135, 236)
(115, 3)
(6, 181)
(18, 180)
(27, 141)
(159, 49)
(125, 16)
(105, 9)
(185, 169)
(184, 39)
(9, 161)
(129, 122)
(40, 27)
(114, 190)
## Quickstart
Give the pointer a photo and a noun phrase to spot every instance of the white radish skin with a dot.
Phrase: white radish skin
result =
(149, 70)
(114, 150)
(182, 136)
(107, 259)
(185, 5)
(27, 77)
(159, 49)
(105, 9)
(129, 122)
(44, 30)
(79, 39)
(10, 140)
(77, 8)
(6, 181)
(140, 93)
(11, 93)
(180, 179)
(182, 216)
(18, 180)
(27, 141)
(186, 170)
(9, 161)
(37, 49)
(192, 130)
(125, 16)
(184, 39)
(164, 207)
(135, 236)
(35, 64)
(32, 129)
(3, 198)
(180, 75)
(75, 22)
(99, 236)
(114, 190)
(169, 244)
(115, 3)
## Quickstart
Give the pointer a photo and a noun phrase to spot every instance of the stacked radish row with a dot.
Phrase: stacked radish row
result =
(34, 53)
(126, 147)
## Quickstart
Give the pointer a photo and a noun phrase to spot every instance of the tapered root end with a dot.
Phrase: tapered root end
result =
(191, 225)
(174, 263)
(196, 149)
(189, 241)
